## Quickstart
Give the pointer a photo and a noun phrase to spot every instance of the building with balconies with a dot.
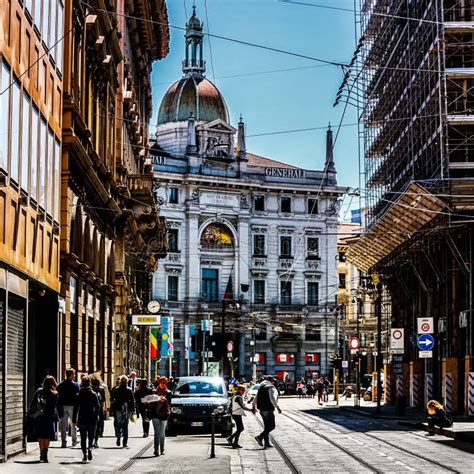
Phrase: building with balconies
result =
(251, 241)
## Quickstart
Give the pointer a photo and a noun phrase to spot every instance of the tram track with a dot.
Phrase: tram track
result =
(373, 437)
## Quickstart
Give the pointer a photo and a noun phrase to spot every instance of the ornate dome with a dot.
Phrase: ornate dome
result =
(192, 94)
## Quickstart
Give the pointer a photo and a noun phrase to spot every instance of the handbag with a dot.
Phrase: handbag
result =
(37, 407)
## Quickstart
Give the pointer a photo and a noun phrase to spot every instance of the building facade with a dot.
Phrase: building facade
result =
(110, 229)
(251, 242)
(30, 142)
(416, 77)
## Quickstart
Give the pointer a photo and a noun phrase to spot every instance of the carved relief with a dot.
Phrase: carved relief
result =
(244, 203)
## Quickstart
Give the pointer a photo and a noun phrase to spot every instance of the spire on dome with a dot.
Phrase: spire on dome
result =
(193, 61)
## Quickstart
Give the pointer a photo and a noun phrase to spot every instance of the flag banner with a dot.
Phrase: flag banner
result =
(229, 290)
(206, 325)
(154, 343)
(166, 336)
(356, 216)
(189, 332)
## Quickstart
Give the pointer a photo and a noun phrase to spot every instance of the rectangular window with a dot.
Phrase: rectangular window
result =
(285, 247)
(312, 250)
(60, 33)
(173, 240)
(312, 289)
(25, 144)
(43, 153)
(37, 15)
(176, 333)
(259, 245)
(313, 333)
(49, 185)
(259, 203)
(284, 359)
(4, 115)
(312, 206)
(53, 32)
(259, 292)
(312, 358)
(29, 6)
(34, 154)
(45, 23)
(172, 288)
(260, 334)
(285, 204)
(285, 292)
(174, 199)
(209, 288)
(342, 280)
(15, 133)
(57, 180)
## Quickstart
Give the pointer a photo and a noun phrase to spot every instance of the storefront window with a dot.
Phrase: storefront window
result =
(312, 358)
(284, 359)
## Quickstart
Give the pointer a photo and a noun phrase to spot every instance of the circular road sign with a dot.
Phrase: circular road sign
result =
(354, 343)
(230, 346)
(397, 334)
(425, 327)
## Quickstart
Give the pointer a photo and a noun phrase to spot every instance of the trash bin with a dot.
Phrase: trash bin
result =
(400, 406)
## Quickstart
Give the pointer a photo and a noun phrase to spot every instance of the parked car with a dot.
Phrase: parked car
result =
(193, 401)
(251, 393)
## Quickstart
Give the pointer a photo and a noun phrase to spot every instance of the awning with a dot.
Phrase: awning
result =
(415, 208)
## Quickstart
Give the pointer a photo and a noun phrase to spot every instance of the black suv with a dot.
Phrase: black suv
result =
(194, 400)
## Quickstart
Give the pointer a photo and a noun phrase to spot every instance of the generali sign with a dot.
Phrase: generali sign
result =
(284, 173)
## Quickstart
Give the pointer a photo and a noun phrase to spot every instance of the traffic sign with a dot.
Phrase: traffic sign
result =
(397, 339)
(354, 343)
(345, 364)
(425, 326)
(426, 342)
(230, 346)
(425, 354)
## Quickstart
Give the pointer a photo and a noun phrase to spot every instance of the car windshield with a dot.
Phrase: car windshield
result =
(255, 387)
(207, 388)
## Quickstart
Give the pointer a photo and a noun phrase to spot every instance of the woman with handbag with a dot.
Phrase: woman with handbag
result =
(124, 407)
(159, 411)
(142, 409)
(43, 412)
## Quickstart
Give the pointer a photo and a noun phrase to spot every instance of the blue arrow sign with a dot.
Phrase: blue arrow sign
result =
(426, 342)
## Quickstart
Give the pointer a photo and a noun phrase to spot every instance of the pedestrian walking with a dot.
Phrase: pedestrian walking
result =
(299, 389)
(437, 417)
(96, 384)
(142, 409)
(86, 415)
(238, 410)
(320, 388)
(326, 384)
(43, 415)
(133, 381)
(159, 410)
(266, 401)
(112, 408)
(124, 407)
(67, 392)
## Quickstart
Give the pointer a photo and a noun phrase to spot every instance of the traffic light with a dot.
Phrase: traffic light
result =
(356, 361)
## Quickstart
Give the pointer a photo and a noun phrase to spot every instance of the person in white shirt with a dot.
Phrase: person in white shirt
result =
(238, 411)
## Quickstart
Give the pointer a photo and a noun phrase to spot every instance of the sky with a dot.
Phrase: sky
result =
(272, 101)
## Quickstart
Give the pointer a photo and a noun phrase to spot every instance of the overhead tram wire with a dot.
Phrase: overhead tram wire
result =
(210, 44)
(223, 38)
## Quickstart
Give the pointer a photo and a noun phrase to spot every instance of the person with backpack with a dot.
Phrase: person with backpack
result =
(67, 392)
(266, 401)
(123, 407)
(96, 384)
(142, 409)
(86, 416)
(44, 416)
(238, 410)
(159, 412)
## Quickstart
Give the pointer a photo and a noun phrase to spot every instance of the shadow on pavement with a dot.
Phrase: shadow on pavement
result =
(27, 462)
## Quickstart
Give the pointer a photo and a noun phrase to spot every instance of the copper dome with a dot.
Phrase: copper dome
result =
(192, 94)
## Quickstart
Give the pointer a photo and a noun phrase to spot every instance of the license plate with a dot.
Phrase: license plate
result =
(197, 423)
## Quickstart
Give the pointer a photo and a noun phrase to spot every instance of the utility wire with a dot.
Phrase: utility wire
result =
(210, 43)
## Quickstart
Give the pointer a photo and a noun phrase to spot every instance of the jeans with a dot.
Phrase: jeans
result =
(268, 418)
(99, 430)
(122, 425)
(66, 416)
(145, 423)
(87, 433)
(234, 437)
(159, 427)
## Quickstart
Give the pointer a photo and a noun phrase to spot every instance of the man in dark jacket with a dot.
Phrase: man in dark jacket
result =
(67, 392)
(266, 401)
(123, 406)
(86, 415)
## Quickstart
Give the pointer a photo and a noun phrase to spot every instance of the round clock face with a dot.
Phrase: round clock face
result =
(154, 306)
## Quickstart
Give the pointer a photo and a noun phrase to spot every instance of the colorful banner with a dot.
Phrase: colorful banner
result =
(166, 336)
(189, 332)
(154, 343)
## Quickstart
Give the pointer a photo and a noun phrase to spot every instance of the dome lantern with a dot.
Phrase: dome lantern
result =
(193, 61)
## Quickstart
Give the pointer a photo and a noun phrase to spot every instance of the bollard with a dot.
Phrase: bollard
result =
(213, 440)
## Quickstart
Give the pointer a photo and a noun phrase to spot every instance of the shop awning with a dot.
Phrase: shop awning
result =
(415, 208)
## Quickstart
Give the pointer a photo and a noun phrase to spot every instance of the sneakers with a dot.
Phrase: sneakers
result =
(155, 452)
(258, 439)
(89, 454)
(84, 458)
(268, 445)
(74, 443)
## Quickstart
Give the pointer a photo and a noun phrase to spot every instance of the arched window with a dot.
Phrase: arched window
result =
(217, 237)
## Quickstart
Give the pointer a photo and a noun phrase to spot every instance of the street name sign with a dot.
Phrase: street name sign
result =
(146, 320)
(425, 326)
(397, 363)
(425, 354)
(426, 342)
(397, 339)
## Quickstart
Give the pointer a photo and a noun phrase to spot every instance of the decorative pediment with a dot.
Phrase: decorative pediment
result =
(216, 139)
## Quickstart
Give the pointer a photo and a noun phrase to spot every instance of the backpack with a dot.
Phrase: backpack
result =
(38, 405)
